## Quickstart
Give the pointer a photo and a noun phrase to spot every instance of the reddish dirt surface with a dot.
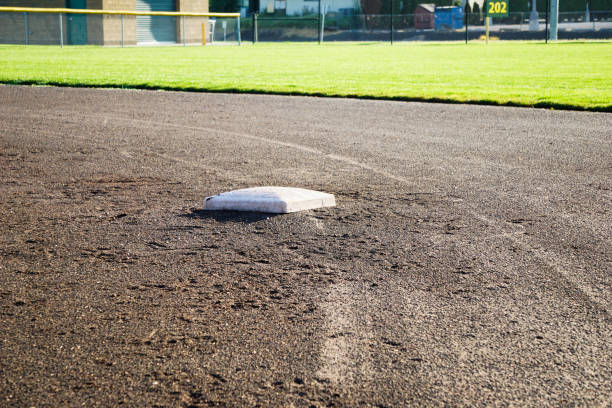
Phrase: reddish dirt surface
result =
(467, 263)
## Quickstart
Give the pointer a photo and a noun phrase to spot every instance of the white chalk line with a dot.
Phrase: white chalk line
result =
(344, 355)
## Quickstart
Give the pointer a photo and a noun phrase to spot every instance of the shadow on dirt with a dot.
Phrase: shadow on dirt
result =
(228, 216)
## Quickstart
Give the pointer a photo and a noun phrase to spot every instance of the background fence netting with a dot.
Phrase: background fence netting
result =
(133, 30)
(405, 27)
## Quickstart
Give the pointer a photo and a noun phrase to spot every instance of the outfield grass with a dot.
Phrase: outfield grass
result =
(560, 75)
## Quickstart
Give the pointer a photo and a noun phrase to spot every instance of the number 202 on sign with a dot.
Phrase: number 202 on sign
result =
(497, 8)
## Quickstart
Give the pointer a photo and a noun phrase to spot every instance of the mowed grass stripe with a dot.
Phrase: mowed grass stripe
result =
(572, 75)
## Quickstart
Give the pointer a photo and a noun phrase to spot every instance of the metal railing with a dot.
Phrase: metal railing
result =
(28, 25)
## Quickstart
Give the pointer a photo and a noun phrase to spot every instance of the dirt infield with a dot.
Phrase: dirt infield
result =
(467, 263)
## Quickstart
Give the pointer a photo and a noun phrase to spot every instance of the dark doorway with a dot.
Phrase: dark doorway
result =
(76, 25)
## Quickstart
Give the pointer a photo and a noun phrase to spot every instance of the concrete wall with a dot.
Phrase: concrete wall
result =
(42, 28)
(112, 23)
(30, 3)
(193, 25)
(95, 30)
(12, 28)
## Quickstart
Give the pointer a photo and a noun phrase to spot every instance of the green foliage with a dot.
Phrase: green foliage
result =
(268, 21)
(515, 73)
(564, 5)
(580, 5)
(519, 5)
(407, 6)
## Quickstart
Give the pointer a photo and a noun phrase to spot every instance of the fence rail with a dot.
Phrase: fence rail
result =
(115, 12)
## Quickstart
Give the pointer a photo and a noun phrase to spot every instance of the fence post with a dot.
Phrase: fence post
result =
(391, 23)
(323, 25)
(61, 29)
(319, 24)
(546, 30)
(467, 20)
(25, 19)
(253, 27)
(554, 20)
(238, 28)
(122, 42)
(184, 37)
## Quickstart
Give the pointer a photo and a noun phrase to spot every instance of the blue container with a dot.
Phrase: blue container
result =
(448, 18)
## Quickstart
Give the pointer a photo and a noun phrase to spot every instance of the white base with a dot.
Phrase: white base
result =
(276, 200)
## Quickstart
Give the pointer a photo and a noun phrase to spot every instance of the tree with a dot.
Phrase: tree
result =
(224, 6)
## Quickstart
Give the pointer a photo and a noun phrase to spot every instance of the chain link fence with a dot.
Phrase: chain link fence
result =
(114, 29)
(409, 27)
(29, 28)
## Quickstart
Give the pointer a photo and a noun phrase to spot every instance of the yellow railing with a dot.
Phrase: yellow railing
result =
(116, 12)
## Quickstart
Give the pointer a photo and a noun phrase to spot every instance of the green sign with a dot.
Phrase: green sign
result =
(497, 8)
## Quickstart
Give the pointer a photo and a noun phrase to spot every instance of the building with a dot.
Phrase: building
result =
(448, 18)
(424, 16)
(37, 28)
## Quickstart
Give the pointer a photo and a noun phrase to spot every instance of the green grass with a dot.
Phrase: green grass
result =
(559, 75)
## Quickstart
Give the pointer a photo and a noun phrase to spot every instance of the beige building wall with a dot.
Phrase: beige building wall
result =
(112, 23)
(193, 25)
